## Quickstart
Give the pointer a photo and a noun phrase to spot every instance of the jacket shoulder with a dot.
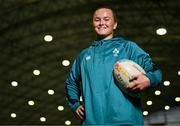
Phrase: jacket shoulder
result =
(126, 43)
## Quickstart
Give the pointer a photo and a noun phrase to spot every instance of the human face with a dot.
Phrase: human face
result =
(104, 23)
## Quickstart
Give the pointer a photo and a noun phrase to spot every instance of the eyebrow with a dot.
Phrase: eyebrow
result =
(103, 17)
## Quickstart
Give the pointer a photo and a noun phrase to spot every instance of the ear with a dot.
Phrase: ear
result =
(115, 26)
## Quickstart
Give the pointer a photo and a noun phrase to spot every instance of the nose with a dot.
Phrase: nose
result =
(101, 22)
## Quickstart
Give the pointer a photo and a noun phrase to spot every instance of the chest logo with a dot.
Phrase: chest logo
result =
(115, 52)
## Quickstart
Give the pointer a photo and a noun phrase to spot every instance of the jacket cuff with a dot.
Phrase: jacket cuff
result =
(75, 106)
(151, 78)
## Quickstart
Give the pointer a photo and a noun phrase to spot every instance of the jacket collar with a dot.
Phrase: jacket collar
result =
(101, 42)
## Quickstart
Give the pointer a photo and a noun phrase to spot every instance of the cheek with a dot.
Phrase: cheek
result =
(111, 24)
(95, 24)
(95, 28)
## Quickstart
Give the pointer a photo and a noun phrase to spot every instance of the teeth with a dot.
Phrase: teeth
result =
(102, 28)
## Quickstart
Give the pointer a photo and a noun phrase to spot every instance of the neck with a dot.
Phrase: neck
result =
(100, 37)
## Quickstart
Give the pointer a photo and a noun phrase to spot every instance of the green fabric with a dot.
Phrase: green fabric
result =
(92, 72)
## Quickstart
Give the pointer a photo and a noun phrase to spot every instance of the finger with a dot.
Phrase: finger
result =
(133, 79)
(131, 85)
(80, 116)
(142, 73)
(136, 88)
(82, 108)
(81, 112)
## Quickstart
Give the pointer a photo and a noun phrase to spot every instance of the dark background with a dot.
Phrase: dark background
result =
(23, 25)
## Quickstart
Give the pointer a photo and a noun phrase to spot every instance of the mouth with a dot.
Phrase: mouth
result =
(102, 28)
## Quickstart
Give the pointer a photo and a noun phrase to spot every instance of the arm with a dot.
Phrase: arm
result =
(72, 85)
(153, 75)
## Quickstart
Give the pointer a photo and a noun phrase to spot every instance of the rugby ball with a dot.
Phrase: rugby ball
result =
(124, 72)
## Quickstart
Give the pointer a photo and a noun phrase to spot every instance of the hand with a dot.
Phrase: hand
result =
(80, 112)
(139, 83)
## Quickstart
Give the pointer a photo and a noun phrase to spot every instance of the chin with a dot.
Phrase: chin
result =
(102, 33)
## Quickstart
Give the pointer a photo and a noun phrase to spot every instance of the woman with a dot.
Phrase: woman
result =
(91, 76)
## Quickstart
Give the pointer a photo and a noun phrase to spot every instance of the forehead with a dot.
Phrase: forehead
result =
(103, 12)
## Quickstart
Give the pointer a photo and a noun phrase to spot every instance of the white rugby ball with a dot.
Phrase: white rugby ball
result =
(124, 72)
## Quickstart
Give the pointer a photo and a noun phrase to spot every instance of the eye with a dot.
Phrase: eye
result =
(96, 19)
(106, 19)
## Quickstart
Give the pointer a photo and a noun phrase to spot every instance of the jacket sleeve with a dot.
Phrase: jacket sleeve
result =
(143, 59)
(72, 85)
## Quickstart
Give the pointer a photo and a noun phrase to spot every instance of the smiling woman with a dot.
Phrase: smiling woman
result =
(104, 23)
(91, 75)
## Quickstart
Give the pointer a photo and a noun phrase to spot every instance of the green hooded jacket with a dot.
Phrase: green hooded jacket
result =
(91, 77)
